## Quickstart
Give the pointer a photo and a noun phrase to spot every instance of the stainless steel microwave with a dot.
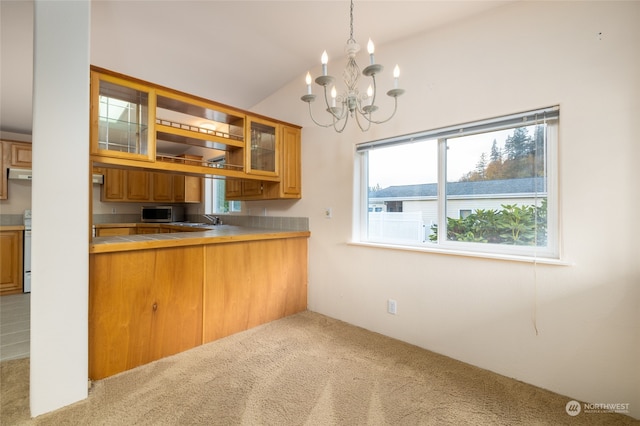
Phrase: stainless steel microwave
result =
(162, 214)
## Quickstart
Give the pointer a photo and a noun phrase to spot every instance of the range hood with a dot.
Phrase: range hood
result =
(26, 174)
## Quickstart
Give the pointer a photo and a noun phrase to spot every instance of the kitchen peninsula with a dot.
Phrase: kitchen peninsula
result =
(156, 289)
(154, 295)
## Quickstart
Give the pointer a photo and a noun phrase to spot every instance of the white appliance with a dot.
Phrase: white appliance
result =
(27, 252)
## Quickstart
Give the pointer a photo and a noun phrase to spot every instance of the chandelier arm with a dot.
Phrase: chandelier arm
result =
(368, 120)
(344, 125)
(395, 108)
(316, 122)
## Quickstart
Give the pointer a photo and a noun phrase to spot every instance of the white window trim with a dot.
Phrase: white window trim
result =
(551, 254)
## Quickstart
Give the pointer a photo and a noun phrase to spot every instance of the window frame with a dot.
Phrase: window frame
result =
(212, 188)
(549, 254)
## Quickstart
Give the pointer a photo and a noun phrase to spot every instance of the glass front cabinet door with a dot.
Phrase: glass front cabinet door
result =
(122, 118)
(264, 137)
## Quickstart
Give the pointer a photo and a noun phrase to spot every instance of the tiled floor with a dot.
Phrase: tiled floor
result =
(15, 319)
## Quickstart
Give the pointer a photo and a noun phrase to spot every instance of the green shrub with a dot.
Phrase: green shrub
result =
(516, 225)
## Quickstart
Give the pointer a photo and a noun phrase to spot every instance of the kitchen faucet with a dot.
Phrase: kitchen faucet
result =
(215, 220)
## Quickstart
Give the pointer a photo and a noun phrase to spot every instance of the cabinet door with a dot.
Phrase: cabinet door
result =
(122, 118)
(177, 322)
(143, 305)
(113, 187)
(120, 311)
(251, 283)
(251, 188)
(162, 187)
(244, 189)
(3, 172)
(188, 189)
(138, 188)
(233, 188)
(10, 262)
(263, 147)
(291, 179)
(21, 155)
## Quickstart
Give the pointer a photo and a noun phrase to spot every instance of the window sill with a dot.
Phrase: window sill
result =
(492, 256)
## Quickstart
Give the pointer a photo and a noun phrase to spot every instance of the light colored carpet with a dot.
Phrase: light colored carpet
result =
(306, 369)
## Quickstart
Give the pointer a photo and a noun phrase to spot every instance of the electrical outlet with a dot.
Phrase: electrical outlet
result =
(392, 306)
(327, 213)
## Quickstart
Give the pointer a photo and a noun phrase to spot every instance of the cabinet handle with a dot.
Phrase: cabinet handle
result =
(155, 307)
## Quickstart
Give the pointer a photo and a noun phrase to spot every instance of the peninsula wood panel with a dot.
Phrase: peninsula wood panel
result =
(143, 306)
(252, 283)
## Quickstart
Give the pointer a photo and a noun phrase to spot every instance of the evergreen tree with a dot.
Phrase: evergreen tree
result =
(519, 144)
(496, 155)
(481, 167)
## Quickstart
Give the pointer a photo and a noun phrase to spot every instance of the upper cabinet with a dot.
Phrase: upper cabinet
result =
(13, 155)
(262, 155)
(136, 124)
(122, 118)
(288, 153)
(20, 155)
(291, 174)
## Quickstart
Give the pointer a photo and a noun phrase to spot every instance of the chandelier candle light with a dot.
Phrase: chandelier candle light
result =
(352, 103)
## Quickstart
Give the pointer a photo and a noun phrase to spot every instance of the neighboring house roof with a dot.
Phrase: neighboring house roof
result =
(517, 186)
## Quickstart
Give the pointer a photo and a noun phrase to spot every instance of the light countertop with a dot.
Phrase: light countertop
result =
(210, 235)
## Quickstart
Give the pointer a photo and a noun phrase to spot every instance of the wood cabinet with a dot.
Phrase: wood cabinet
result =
(148, 304)
(251, 283)
(113, 186)
(21, 155)
(290, 184)
(15, 155)
(133, 185)
(263, 147)
(187, 189)
(135, 123)
(122, 118)
(126, 185)
(143, 306)
(11, 272)
(138, 185)
(243, 189)
(162, 187)
(3, 173)
(291, 176)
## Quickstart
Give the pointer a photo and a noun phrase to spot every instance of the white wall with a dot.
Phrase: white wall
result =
(59, 293)
(519, 57)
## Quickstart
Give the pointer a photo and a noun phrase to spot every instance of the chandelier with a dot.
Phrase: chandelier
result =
(351, 103)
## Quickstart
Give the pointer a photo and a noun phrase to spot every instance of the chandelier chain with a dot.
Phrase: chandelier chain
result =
(351, 39)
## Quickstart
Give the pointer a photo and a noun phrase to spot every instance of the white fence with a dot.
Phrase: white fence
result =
(397, 227)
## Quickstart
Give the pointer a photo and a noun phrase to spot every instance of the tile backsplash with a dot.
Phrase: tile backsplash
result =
(270, 222)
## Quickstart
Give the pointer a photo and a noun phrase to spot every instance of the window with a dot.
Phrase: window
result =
(486, 187)
(215, 202)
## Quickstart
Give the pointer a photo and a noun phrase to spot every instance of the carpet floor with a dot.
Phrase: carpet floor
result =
(306, 369)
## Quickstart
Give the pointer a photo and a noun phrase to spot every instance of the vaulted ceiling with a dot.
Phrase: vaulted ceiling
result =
(234, 52)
